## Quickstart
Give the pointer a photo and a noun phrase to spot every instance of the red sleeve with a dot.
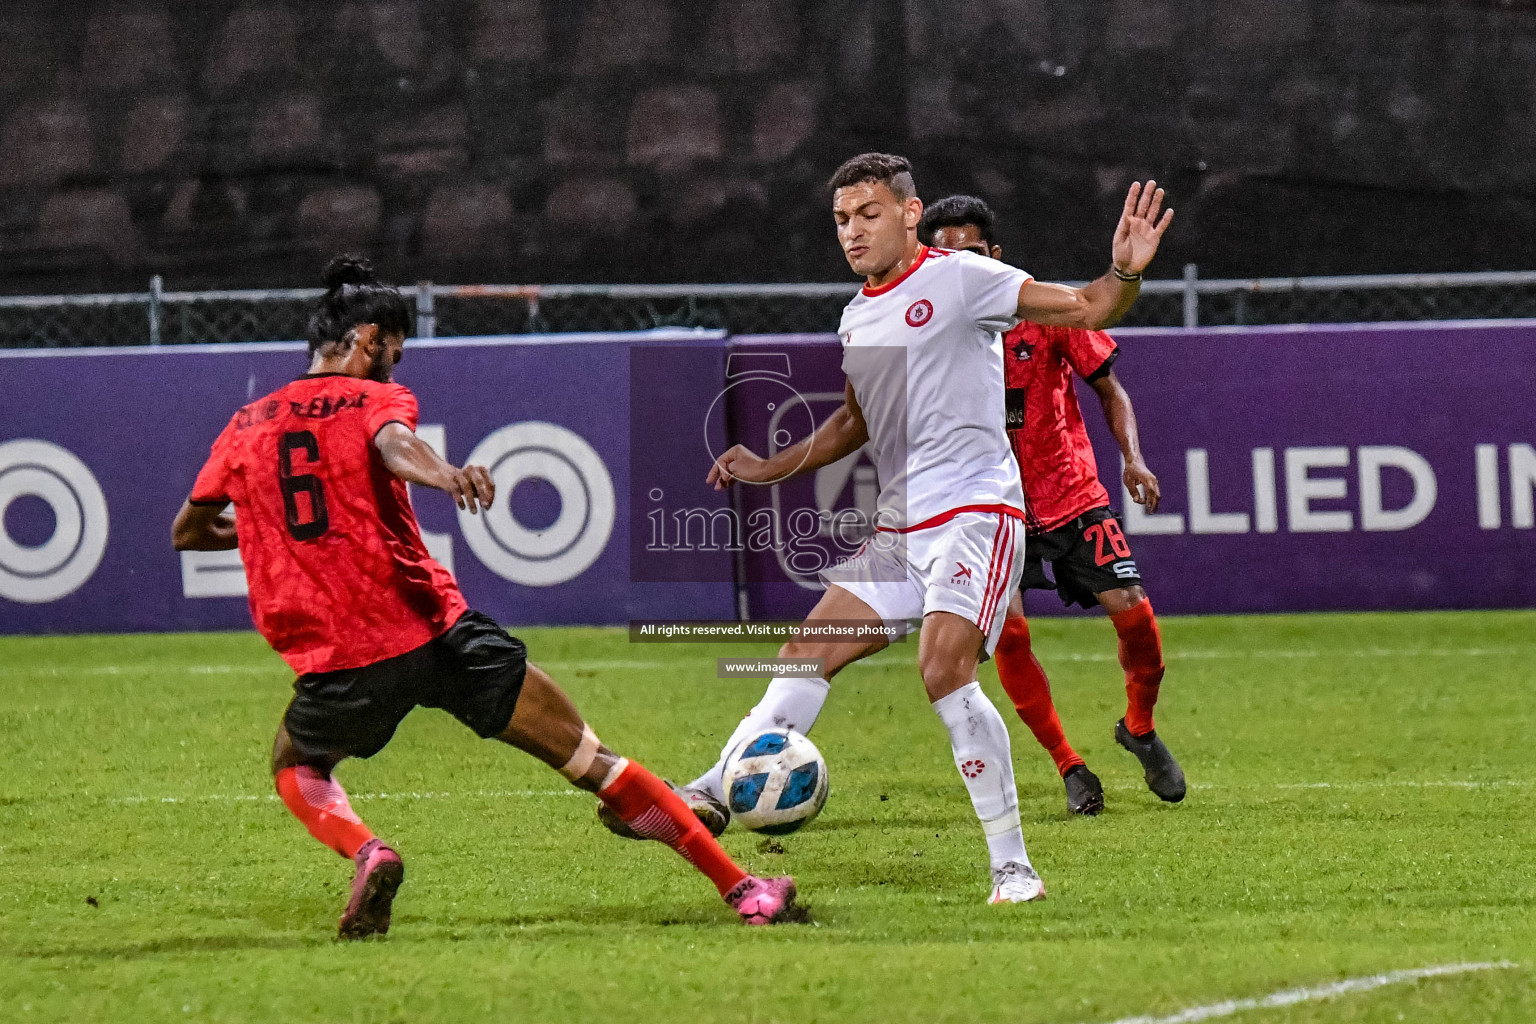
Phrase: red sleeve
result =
(392, 403)
(212, 484)
(1090, 353)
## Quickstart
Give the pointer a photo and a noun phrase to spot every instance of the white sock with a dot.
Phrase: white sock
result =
(982, 753)
(786, 704)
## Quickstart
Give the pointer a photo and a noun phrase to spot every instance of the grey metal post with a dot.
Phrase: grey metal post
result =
(1191, 296)
(156, 290)
(426, 312)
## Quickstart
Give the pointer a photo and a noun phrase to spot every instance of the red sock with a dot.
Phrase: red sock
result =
(648, 805)
(1141, 655)
(321, 804)
(1024, 681)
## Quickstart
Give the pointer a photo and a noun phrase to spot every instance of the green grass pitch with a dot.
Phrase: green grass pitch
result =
(1361, 802)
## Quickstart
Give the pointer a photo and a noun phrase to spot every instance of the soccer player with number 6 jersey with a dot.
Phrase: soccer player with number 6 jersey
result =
(1070, 521)
(342, 586)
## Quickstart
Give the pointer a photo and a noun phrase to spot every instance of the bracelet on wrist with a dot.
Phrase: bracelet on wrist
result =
(1115, 269)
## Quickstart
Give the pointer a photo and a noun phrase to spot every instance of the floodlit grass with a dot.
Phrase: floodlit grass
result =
(1360, 803)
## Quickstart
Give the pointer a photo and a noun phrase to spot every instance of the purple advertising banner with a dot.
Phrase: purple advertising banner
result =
(1302, 468)
(99, 447)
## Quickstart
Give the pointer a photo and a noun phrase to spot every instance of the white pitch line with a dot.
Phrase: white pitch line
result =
(1175, 654)
(1292, 996)
(565, 666)
(147, 668)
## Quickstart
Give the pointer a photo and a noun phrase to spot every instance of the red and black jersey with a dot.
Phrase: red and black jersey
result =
(1045, 424)
(338, 574)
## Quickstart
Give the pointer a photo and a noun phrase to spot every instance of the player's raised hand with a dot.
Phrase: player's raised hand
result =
(472, 488)
(738, 463)
(1141, 485)
(1140, 230)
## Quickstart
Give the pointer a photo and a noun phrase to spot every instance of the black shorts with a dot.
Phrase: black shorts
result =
(474, 671)
(1088, 556)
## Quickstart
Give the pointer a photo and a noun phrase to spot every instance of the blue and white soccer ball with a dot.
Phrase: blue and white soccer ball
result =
(775, 781)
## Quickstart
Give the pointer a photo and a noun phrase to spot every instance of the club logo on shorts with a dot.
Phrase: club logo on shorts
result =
(919, 313)
(962, 575)
(971, 769)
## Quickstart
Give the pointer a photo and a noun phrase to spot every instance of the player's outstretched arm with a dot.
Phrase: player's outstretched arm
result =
(1102, 303)
(1140, 482)
(413, 460)
(840, 435)
(203, 528)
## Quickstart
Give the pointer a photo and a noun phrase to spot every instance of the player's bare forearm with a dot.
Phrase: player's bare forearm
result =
(840, 435)
(1120, 416)
(410, 458)
(413, 460)
(203, 528)
(1093, 307)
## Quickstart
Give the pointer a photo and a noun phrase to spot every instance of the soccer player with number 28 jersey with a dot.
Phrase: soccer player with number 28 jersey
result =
(343, 588)
(1070, 521)
(925, 390)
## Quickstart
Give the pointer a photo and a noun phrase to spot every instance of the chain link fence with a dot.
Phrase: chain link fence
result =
(158, 317)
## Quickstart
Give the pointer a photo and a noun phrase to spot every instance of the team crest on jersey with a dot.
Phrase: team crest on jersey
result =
(919, 313)
(961, 576)
(1022, 350)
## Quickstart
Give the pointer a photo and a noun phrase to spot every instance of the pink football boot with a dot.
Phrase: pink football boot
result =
(379, 873)
(765, 900)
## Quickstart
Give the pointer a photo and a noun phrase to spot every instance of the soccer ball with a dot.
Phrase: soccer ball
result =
(775, 781)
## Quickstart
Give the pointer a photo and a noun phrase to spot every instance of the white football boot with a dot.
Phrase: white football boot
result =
(1016, 883)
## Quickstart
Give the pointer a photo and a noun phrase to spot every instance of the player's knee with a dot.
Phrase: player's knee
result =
(942, 675)
(1122, 599)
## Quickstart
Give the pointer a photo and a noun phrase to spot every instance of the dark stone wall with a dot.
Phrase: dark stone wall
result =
(229, 144)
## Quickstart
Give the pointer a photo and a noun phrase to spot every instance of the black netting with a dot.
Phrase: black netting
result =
(73, 326)
(219, 320)
(125, 320)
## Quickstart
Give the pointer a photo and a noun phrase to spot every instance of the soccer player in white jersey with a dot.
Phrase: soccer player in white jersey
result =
(949, 550)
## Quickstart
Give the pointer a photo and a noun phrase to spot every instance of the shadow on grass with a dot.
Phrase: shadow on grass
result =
(569, 919)
(173, 944)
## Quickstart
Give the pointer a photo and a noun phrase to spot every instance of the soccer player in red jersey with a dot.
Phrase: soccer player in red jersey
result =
(1069, 521)
(342, 587)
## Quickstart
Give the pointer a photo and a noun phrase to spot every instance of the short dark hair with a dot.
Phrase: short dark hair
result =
(354, 295)
(895, 172)
(957, 212)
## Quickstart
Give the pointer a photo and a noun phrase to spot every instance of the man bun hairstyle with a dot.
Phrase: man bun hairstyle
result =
(353, 296)
(957, 212)
(347, 269)
(895, 172)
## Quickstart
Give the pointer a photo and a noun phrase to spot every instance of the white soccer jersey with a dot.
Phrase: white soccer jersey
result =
(925, 358)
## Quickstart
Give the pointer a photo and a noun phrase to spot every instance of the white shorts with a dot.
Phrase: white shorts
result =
(970, 566)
